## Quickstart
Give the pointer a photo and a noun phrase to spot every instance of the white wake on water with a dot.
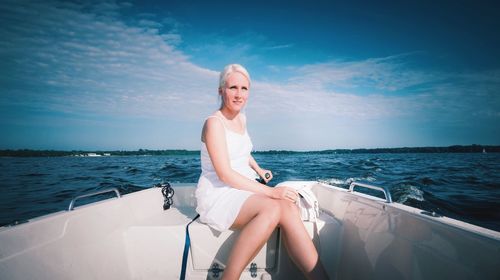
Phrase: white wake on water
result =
(410, 192)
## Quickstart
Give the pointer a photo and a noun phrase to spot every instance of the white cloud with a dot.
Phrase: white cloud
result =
(386, 74)
(378, 88)
(269, 99)
(278, 47)
(89, 60)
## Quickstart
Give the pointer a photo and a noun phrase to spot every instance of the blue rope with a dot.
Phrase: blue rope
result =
(187, 244)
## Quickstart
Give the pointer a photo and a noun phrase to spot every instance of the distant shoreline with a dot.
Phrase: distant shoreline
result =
(146, 152)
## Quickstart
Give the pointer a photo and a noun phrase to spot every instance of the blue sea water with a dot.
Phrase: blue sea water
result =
(460, 186)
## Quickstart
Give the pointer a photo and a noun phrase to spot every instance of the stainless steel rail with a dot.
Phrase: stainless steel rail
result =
(383, 189)
(72, 203)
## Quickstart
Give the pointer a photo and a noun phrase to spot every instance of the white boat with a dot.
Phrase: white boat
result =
(93, 155)
(358, 237)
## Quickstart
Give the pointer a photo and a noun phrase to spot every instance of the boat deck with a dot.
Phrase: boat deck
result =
(357, 236)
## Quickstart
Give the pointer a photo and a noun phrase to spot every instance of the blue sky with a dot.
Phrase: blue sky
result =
(325, 74)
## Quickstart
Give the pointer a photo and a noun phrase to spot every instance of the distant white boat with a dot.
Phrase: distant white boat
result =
(357, 236)
(484, 151)
(93, 155)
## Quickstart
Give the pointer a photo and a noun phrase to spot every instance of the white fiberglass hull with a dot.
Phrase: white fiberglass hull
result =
(358, 237)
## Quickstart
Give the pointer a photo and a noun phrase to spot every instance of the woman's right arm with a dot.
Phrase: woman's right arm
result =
(214, 138)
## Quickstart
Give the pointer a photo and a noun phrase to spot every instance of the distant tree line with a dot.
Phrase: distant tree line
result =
(449, 149)
(54, 153)
(146, 152)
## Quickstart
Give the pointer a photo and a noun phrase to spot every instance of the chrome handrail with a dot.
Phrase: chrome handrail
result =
(383, 189)
(72, 203)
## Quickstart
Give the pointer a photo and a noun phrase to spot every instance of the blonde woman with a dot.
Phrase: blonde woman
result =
(228, 195)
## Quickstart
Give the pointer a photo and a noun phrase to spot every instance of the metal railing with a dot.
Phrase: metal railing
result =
(72, 203)
(383, 189)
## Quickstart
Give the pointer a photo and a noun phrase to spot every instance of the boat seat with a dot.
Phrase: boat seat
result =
(209, 246)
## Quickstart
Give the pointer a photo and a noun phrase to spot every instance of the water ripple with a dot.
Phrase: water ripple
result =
(462, 186)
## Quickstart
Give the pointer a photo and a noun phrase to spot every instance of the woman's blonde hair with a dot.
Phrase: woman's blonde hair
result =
(228, 70)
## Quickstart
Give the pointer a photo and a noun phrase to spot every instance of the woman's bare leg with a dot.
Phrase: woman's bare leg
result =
(257, 219)
(298, 243)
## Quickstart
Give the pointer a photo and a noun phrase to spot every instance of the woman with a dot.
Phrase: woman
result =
(228, 195)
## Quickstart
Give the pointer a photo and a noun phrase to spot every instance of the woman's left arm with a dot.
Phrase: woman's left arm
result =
(261, 172)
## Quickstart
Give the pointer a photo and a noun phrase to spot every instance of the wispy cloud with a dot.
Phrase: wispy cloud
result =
(384, 74)
(278, 47)
(76, 58)
(379, 88)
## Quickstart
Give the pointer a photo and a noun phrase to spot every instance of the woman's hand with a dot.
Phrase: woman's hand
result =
(267, 175)
(285, 193)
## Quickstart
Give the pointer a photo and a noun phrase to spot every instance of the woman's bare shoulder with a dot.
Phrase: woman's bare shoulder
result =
(213, 125)
(213, 121)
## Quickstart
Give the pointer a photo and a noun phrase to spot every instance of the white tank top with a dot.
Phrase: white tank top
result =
(239, 147)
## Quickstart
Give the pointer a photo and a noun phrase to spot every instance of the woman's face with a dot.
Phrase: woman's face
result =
(235, 93)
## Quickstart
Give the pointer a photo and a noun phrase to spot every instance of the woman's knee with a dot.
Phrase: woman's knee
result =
(288, 206)
(271, 210)
(288, 209)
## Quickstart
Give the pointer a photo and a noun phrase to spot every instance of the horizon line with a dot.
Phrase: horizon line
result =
(258, 151)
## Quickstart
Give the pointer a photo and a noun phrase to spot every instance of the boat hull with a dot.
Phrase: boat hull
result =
(357, 236)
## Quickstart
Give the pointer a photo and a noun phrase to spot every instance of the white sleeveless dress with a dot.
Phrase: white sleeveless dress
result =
(217, 203)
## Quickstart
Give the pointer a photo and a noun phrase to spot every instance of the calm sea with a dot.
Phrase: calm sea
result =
(461, 186)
